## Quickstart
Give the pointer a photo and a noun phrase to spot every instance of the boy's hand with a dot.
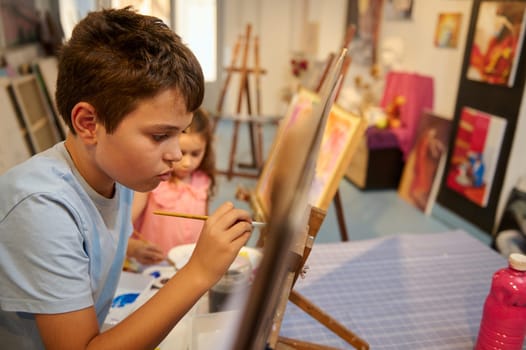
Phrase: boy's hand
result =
(144, 252)
(225, 232)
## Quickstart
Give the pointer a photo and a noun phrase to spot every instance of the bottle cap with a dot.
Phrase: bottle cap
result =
(517, 261)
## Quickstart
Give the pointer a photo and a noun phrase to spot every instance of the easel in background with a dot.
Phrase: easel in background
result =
(254, 121)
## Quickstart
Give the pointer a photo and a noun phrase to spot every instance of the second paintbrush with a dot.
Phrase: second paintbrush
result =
(198, 217)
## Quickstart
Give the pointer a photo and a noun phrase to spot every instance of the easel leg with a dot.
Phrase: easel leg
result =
(295, 344)
(341, 218)
(329, 322)
(233, 149)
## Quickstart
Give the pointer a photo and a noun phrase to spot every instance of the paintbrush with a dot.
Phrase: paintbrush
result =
(198, 217)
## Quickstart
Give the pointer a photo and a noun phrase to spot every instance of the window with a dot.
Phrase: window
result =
(195, 21)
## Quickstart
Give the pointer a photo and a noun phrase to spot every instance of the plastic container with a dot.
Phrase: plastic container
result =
(503, 324)
(234, 283)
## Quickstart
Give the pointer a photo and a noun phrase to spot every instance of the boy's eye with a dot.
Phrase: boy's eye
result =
(159, 137)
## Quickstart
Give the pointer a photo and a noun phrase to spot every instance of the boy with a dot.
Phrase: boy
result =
(127, 87)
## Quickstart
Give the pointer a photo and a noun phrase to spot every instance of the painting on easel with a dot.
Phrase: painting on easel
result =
(293, 173)
(340, 139)
(299, 108)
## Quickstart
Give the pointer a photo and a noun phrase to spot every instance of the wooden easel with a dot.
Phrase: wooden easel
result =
(286, 249)
(254, 121)
(337, 201)
(316, 217)
(315, 220)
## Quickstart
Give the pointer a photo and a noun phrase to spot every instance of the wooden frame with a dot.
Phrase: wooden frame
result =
(35, 113)
(14, 146)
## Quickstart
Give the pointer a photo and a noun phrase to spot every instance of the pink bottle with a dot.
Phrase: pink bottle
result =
(503, 324)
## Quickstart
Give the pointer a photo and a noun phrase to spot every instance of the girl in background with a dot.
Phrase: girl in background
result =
(188, 191)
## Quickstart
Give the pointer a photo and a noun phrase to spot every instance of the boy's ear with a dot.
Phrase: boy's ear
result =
(84, 120)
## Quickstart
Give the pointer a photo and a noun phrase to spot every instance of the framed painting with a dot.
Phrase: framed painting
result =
(20, 22)
(299, 108)
(475, 154)
(497, 42)
(398, 10)
(340, 139)
(448, 30)
(422, 170)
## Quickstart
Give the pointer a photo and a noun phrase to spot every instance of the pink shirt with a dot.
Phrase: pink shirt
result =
(167, 231)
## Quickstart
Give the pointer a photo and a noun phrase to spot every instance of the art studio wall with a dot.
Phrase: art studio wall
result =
(413, 37)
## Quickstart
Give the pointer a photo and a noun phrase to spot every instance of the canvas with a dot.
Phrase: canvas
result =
(448, 30)
(36, 114)
(398, 9)
(475, 154)
(13, 145)
(422, 171)
(340, 139)
(46, 71)
(299, 108)
(294, 171)
(497, 42)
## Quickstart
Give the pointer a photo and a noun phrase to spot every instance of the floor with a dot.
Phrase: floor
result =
(368, 214)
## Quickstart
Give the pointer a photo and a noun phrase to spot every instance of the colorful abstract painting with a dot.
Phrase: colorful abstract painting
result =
(497, 42)
(299, 107)
(340, 139)
(475, 154)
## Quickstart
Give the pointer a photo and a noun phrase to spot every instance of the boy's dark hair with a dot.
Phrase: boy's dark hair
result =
(116, 58)
(201, 125)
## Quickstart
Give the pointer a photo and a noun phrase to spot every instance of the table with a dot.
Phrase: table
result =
(407, 291)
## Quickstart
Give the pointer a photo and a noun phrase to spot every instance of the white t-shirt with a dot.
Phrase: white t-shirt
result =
(62, 244)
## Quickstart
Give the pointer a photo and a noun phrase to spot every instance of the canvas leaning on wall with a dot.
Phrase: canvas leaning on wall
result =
(424, 165)
(475, 154)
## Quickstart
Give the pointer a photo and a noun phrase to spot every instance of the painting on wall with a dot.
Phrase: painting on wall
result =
(20, 21)
(422, 171)
(366, 17)
(340, 139)
(475, 154)
(497, 42)
(448, 30)
(398, 9)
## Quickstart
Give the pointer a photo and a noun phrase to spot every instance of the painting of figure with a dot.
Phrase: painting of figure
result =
(422, 168)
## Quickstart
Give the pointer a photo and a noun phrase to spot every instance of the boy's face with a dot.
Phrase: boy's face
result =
(141, 151)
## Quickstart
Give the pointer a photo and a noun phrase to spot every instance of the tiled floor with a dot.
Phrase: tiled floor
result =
(368, 214)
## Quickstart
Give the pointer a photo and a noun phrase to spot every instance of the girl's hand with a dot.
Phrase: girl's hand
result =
(144, 252)
(225, 232)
